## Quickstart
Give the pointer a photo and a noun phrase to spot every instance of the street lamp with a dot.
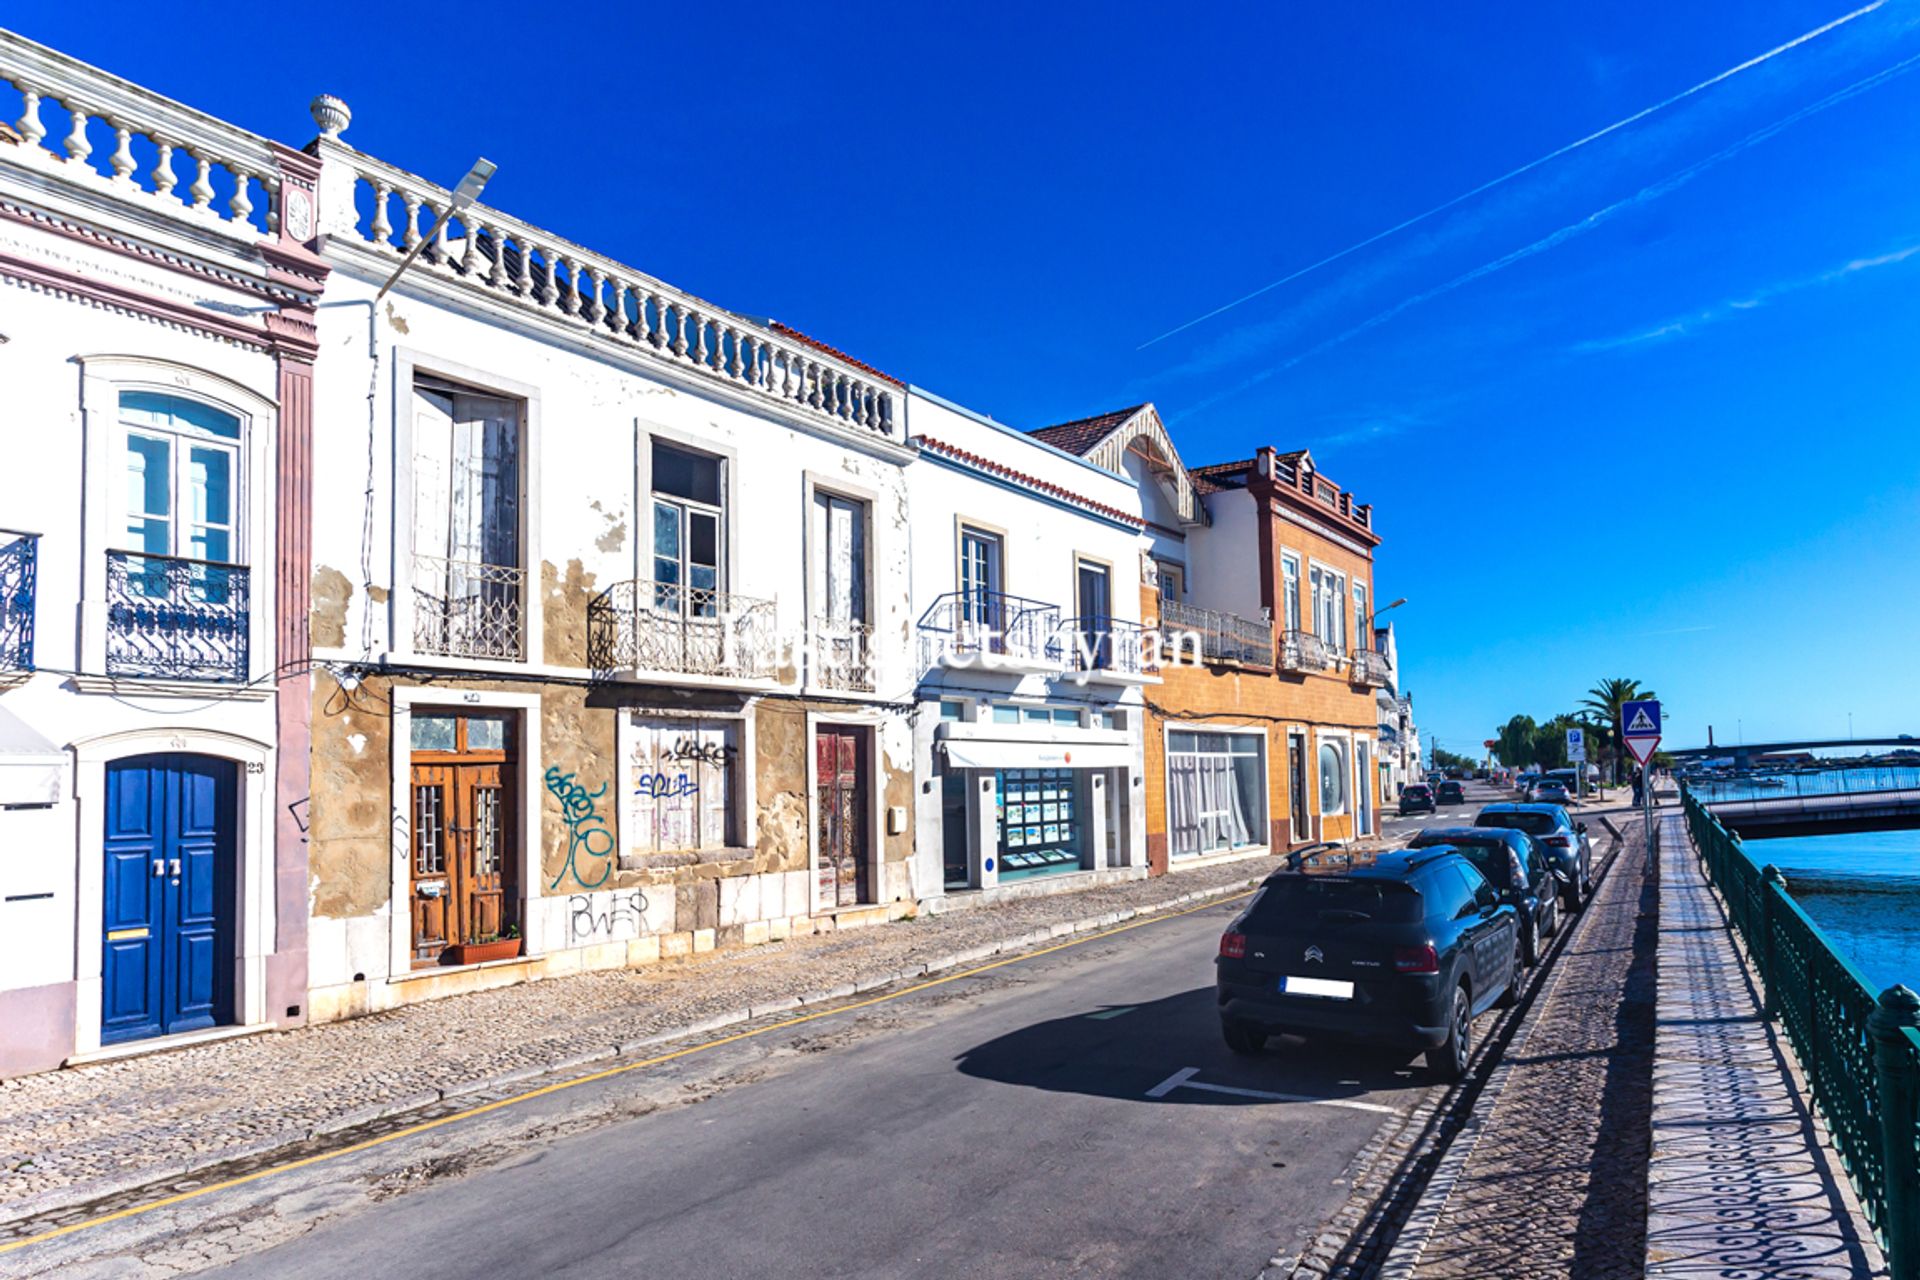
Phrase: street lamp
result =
(463, 196)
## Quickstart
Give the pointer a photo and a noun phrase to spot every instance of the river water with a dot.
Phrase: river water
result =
(1863, 890)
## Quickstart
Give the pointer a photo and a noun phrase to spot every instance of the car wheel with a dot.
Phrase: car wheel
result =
(1449, 1060)
(1530, 944)
(1241, 1038)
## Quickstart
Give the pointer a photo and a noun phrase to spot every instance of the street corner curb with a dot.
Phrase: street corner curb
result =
(62, 1198)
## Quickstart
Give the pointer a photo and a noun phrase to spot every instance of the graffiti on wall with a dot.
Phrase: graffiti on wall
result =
(587, 832)
(616, 915)
(662, 787)
(696, 751)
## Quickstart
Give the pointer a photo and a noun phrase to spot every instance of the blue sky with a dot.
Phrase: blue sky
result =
(1648, 409)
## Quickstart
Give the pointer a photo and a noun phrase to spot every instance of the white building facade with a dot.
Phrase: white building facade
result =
(156, 346)
(1030, 662)
(614, 651)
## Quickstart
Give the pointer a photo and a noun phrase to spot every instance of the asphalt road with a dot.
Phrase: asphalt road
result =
(1060, 1116)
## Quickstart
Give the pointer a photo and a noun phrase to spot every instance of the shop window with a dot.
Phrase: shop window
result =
(1038, 817)
(1333, 779)
(1216, 792)
(681, 776)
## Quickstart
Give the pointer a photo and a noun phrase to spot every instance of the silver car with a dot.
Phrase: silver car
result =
(1549, 791)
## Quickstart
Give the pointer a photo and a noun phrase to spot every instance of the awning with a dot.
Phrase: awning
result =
(985, 753)
(30, 766)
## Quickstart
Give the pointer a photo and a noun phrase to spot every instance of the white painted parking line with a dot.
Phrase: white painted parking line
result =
(1104, 1014)
(1184, 1079)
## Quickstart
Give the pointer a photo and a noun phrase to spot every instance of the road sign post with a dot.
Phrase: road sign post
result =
(1577, 756)
(1640, 730)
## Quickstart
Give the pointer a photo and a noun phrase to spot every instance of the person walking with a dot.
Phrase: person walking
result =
(1639, 786)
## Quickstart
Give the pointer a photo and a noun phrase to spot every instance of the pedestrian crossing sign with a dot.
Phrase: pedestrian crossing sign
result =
(1642, 720)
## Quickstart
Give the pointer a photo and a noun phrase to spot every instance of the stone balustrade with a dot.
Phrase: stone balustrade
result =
(80, 124)
(388, 210)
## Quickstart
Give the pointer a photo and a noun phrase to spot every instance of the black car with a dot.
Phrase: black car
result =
(1451, 792)
(1514, 865)
(1404, 951)
(1416, 797)
(1563, 840)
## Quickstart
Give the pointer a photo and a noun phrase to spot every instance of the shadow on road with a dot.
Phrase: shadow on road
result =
(1123, 1051)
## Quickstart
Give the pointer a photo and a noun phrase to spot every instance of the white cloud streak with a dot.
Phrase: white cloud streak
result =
(1682, 326)
(1526, 168)
(1555, 239)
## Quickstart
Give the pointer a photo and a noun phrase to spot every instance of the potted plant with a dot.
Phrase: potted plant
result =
(488, 946)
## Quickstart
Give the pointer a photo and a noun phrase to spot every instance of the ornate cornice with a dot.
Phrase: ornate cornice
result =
(72, 287)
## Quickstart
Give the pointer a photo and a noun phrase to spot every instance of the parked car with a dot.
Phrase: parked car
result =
(1404, 951)
(1514, 865)
(1450, 792)
(1524, 781)
(1416, 797)
(1563, 840)
(1550, 791)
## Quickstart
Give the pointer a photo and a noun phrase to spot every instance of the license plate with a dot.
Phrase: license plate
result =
(1325, 988)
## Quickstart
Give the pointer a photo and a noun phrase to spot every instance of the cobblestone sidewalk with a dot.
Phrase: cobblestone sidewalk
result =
(67, 1136)
(1553, 1179)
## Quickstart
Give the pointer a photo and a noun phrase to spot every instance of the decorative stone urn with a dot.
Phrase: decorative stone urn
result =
(331, 114)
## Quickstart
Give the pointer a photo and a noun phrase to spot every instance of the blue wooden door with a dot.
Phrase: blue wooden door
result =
(169, 896)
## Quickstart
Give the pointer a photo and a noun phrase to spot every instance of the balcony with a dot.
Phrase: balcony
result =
(1371, 670)
(19, 566)
(987, 630)
(642, 628)
(176, 619)
(466, 609)
(841, 655)
(1109, 649)
(1303, 651)
(1221, 637)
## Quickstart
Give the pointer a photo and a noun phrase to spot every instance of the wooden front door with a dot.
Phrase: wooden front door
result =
(463, 888)
(1297, 787)
(840, 769)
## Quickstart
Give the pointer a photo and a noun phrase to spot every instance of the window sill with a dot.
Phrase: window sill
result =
(154, 687)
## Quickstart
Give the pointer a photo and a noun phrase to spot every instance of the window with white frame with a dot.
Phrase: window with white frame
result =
(1170, 578)
(682, 777)
(183, 464)
(1290, 584)
(1333, 777)
(689, 531)
(469, 581)
(837, 584)
(1216, 791)
(1329, 607)
(1362, 616)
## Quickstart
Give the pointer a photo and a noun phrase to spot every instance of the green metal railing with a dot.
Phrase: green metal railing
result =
(1860, 1053)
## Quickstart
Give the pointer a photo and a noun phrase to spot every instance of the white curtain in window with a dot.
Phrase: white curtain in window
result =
(1183, 805)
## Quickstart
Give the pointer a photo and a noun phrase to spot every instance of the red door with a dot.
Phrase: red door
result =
(841, 781)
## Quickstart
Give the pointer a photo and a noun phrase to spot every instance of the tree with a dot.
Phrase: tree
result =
(1604, 700)
(1514, 742)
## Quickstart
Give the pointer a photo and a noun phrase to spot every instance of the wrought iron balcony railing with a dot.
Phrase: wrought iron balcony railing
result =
(19, 567)
(641, 626)
(175, 618)
(1112, 646)
(1371, 670)
(467, 609)
(1304, 651)
(1223, 637)
(989, 628)
(841, 654)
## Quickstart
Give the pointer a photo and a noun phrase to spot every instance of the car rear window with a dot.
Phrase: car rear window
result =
(1305, 899)
(1534, 824)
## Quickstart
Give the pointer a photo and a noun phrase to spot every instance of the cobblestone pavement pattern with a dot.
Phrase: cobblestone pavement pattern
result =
(1555, 1184)
(100, 1127)
(1736, 1186)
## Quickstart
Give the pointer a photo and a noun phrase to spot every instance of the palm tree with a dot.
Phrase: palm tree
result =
(1604, 700)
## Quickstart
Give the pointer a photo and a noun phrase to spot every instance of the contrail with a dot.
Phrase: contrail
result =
(1654, 191)
(1528, 167)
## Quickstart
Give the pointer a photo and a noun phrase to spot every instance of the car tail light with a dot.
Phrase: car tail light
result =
(1558, 842)
(1416, 959)
(1233, 946)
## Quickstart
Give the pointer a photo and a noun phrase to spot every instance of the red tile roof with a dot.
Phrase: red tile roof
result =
(1081, 435)
(1031, 482)
(836, 353)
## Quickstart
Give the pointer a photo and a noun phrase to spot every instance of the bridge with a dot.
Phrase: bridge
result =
(1743, 754)
(1823, 801)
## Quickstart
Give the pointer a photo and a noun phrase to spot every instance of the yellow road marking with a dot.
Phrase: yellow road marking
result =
(607, 1074)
